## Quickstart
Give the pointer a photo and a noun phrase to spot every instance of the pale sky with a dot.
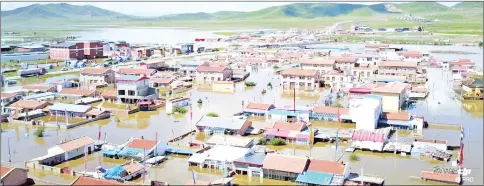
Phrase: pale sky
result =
(163, 8)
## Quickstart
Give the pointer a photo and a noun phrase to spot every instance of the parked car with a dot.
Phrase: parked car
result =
(64, 69)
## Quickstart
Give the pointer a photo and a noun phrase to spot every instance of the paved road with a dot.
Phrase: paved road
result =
(134, 62)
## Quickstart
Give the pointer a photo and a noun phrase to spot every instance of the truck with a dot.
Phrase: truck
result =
(31, 72)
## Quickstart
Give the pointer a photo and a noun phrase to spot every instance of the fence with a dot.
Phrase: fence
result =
(38, 166)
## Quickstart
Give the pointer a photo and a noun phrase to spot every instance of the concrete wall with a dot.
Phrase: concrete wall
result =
(391, 102)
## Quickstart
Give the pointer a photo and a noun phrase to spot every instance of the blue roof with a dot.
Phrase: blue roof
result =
(318, 178)
(67, 44)
(114, 173)
(129, 77)
(254, 159)
(69, 107)
(372, 96)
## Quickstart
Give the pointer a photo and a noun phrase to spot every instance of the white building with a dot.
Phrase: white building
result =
(218, 157)
(74, 148)
(366, 112)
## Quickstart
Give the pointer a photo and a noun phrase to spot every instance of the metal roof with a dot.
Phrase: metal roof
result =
(318, 178)
(69, 107)
(224, 123)
(67, 44)
(253, 159)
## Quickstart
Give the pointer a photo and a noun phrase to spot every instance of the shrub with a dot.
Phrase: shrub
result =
(212, 114)
(199, 101)
(40, 132)
(181, 110)
(275, 67)
(354, 158)
(262, 141)
(277, 142)
(269, 84)
(250, 83)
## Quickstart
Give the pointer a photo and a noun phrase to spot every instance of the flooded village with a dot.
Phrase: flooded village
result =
(270, 108)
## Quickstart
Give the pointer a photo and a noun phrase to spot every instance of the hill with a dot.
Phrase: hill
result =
(60, 11)
(465, 5)
(422, 7)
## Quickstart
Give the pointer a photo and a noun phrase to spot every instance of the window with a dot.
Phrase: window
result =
(121, 92)
(131, 93)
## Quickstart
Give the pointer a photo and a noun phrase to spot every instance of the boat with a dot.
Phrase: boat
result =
(155, 160)
(150, 105)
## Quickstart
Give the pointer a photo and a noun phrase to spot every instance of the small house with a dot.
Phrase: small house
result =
(216, 125)
(76, 93)
(142, 149)
(250, 164)
(329, 113)
(370, 140)
(283, 167)
(14, 176)
(234, 141)
(39, 88)
(295, 133)
(258, 109)
(290, 113)
(126, 172)
(74, 148)
(7, 98)
(71, 110)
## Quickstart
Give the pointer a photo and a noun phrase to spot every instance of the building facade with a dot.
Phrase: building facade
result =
(294, 78)
(96, 76)
(209, 74)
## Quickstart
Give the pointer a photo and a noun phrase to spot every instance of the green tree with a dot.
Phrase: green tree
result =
(212, 114)
(40, 131)
(277, 142)
(181, 110)
(250, 83)
(354, 158)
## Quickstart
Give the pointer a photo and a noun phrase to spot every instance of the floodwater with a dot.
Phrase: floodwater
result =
(396, 169)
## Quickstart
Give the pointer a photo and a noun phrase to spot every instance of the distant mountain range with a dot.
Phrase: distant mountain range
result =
(68, 12)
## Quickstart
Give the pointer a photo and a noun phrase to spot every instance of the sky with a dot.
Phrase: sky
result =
(164, 8)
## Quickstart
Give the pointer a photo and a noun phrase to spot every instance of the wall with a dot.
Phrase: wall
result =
(390, 102)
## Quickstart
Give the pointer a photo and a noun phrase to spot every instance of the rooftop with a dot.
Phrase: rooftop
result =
(330, 110)
(76, 143)
(29, 104)
(74, 91)
(299, 72)
(95, 71)
(298, 126)
(70, 107)
(344, 59)
(234, 141)
(227, 153)
(224, 123)
(316, 178)
(392, 87)
(204, 68)
(141, 144)
(326, 166)
(398, 64)
(317, 61)
(146, 72)
(259, 106)
(292, 164)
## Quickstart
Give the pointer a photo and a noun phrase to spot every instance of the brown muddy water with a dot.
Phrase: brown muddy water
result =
(396, 169)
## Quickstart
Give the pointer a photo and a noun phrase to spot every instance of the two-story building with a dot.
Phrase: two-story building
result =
(337, 80)
(345, 64)
(411, 56)
(323, 66)
(300, 79)
(362, 73)
(398, 68)
(190, 68)
(67, 51)
(93, 49)
(393, 95)
(131, 89)
(209, 74)
(93, 77)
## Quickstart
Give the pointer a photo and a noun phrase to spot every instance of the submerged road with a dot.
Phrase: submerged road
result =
(131, 63)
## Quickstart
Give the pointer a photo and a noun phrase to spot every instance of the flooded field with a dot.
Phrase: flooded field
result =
(439, 107)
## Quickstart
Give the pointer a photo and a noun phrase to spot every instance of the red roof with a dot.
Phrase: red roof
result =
(444, 177)
(286, 163)
(142, 144)
(360, 90)
(204, 68)
(277, 133)
(259, 106)
(298, 126)
(76, 143)
(162, 80)
(362, 135)
(401, 116)
(5, 170)
(330, 110)
(326, 166)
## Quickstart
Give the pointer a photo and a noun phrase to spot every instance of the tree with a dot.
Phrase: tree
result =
(181, 110)
(40, 131)
(277, 142)
(354, 158)
(200, 101)
(250, 83)
(269, 84)
(212, 114)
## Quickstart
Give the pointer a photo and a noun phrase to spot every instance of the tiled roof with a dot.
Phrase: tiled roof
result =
(4, 170)
(299, 72)
(95, 112)
(162, 80)
(76, 143)
(259, 106)
(444, 177)
(204, 68)
(344, 59)
(95, 71)
(38, 87)
(109, 94)
(29, 104)
(393, 87)
(298, 126)
(398, 64)
(141, 144)
(317, 61)
(326, 166)
(401, 116)
(4, 95)
(292, 164)
(146, 72)
(362, 135)
(132, 167)
(94, 181)
(73, 91)
(330, 110)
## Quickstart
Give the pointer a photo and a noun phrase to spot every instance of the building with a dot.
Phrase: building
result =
(176, 102)
(47, 96)
(223, 86)
(74, 148)
(125, 172)
(14, 176)
(393, 95)
(160, 82)
(7, 98)
(258, 109)
(71, 110)
(131, 89)
(76, 93)
(389, 78)
(290, 113)
(345, 64)
(330, 167)
(324, 113)
(273, 168)
(67, 51)
(190, 68)
(83, 180)
(216, 125)
(398, 68)
(234, 141)
(411, 56)
(293, 133)
(337, 81)
(209, 74)
(366, 112)
(27, 105)
(369, 140)
(323, 66)
(473, 88)
(93, 49)
(324, 172)
(250, 164)
(362, 73)
(141, 72)
(294, 78)
(141, 149)
(31, 48)
(93, 77)
(39, 88)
